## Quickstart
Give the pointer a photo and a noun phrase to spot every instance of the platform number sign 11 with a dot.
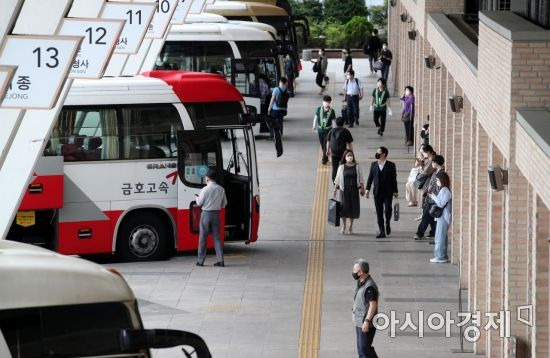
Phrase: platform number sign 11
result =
(161, 19)
(43, 63)
(100, 37)
(138, 16)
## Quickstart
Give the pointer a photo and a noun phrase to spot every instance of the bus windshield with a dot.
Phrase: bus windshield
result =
(210, 56)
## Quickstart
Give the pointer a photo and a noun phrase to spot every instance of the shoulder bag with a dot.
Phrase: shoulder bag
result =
(420, 180)
(435, 211)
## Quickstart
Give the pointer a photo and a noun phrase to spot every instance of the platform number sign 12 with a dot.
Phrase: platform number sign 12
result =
(138, 16)
(43, 63)
(100, 37)
(161, 19)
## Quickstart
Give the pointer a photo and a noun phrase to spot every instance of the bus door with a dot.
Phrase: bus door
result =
(228, 151)
(245, 77)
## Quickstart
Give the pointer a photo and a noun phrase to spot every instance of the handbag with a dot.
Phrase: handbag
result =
(406, 117)
(378, 65)
(436, 211)
(420, 180)
(334, 208)
(316, 66)
(396, 210)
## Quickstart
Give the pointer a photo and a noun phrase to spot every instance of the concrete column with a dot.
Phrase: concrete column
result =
(540, 334)
(456, 121)
(481, 230)
(516, 235)
(495, 264)
(464, 190)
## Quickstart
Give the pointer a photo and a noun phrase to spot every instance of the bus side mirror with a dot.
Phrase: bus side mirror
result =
(251, 117)
(133, 340)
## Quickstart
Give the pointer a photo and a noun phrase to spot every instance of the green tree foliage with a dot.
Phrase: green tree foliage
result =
(342, 11)
(356, 32)
(379, 17)
(312, 9)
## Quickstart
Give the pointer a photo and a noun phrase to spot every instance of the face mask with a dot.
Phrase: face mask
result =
(407, 93)
(349, 159)
(326, 104)
(425, 155)
(355, 275)
(377, 155)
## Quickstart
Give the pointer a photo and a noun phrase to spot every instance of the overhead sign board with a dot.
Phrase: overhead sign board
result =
(161, 19)
(6, 74)
(100, 37)
(43, 63)
(181, 12)
(138, 16)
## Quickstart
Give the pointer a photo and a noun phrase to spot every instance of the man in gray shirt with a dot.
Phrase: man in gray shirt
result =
(211, 200)
(365, 308)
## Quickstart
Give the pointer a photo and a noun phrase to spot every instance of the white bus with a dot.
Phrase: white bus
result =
(243, 54)
(125, 160)
(60, 306)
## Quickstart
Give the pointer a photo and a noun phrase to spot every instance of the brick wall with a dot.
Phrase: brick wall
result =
(533, 163)
(500, 239)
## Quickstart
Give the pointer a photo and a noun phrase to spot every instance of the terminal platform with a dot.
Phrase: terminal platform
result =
(290, 293)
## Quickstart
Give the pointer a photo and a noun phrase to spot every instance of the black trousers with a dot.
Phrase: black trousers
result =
(427, 220)
(323, 142)
(409, 130)
(383, 208)
(364, 342)
(335, 161)
(319, 79)
(380, 120)
(290, 82)
(353, 109)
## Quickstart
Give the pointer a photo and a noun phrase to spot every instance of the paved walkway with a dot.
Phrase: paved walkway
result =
(253, 307)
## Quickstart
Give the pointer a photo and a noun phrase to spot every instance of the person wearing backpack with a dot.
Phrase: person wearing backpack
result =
(320, 67)
(322, 124)
(353, 92)
(278, 107)
(338, 141)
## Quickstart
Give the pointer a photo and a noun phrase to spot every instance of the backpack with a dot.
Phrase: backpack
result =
(356, 81)
(282, 99)
(316, 67)
(337, 145)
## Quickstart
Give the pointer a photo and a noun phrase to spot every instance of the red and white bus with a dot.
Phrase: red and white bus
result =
(125, 160)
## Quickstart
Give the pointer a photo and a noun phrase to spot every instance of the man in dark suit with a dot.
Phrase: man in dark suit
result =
(384, 177)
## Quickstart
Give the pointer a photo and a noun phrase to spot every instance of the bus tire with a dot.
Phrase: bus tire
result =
(143, 236)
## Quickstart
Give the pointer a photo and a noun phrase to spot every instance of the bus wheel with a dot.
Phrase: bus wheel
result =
(143, 236)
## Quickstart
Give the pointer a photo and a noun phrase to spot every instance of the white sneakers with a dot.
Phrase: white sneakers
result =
(437, 261)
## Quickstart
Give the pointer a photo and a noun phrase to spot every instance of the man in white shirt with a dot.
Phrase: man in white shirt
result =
(353, 92)
(211, 200)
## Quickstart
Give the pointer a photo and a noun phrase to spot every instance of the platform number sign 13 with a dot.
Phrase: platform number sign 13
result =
(138, 16)
(161, 19)
(100, 37)
(43, 63)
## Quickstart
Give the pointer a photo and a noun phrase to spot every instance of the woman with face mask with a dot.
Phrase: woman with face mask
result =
(407, 115)
(349, 179)
(443, 200)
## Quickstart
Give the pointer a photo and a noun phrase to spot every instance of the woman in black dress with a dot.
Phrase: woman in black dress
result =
(349, 179)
